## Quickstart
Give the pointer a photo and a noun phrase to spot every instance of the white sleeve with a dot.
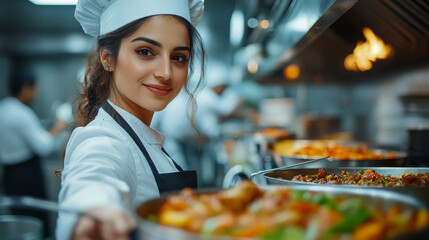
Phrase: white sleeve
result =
(38, 139)
(98, 171)
(208, 123)
(228, 102)
(222, 105)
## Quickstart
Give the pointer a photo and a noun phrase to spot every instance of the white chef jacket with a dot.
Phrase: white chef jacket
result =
(22, 135)
(104, 166)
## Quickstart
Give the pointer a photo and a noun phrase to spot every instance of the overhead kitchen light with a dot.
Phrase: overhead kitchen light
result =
(291, 72)
(252, 67)
(365, 53)
(252, 22)
(264, 24)
(236, 27)
(54, 2)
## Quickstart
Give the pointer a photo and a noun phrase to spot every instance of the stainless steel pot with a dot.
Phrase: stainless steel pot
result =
(289, 159)
(284, 177)
(14, 227)
(418, 151)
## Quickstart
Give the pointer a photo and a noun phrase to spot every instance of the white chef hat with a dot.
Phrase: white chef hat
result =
(99, 17)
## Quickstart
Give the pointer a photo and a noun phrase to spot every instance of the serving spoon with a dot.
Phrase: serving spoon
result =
(289, 166)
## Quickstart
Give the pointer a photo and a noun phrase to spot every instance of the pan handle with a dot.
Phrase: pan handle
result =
(28, 202)
(38, 204)
(234, 175)
(289, 166)
(46, 205)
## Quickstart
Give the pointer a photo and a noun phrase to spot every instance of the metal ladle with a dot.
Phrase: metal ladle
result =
(289, 166)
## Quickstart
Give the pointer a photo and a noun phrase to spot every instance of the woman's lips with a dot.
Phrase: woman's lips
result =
(160, 90)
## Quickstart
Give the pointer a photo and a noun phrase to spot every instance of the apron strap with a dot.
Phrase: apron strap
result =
(167, 181)
(121, 121)
(175, 164)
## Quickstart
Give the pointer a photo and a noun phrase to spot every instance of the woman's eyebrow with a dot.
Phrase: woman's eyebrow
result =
(158, 44)
(182, 48)
(153, 42)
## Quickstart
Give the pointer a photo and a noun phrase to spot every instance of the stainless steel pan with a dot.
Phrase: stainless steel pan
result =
(284, 177)
(282, 159)
(393, 162)
(371, 197)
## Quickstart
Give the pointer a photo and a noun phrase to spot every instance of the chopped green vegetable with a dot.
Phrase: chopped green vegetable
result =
(324, 200)
(255, 207)
(293, 233)
(152, 218)
(302, 195)
(285, 233)
(351, 221)
(276, 234)
(352, 204)
(312, 231)
(354, 213)
(209, 226)
(298, 194)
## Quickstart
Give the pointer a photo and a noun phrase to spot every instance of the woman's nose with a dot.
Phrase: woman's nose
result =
(163, 69)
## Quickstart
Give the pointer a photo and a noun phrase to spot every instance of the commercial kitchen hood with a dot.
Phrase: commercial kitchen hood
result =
(320, 50)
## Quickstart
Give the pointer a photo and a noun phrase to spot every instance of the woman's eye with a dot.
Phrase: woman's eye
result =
(144, 52)
(180, 59)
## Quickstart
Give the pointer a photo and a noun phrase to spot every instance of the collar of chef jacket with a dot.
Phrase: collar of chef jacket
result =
(143, 131)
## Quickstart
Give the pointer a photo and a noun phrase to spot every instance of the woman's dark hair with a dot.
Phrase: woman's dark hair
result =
(97, 81)
(19, 78)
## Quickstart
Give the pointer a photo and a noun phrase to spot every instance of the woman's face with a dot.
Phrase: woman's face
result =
(152, 64)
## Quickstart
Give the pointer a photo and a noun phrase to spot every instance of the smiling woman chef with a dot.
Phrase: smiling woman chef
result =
(115, 160)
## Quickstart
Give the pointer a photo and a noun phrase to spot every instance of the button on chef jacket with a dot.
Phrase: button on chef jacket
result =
(103, 166)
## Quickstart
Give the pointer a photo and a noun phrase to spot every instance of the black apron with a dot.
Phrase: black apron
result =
(26, 179)
(166, 182)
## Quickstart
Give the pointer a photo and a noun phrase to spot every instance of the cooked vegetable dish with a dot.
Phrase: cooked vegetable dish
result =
(274, 133)
(283, 213)
(365, 177)
(332, 149)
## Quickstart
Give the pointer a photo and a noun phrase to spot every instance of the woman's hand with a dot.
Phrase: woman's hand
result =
(103, 223)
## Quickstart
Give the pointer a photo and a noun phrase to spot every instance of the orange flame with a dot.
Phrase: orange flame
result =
(365, 53)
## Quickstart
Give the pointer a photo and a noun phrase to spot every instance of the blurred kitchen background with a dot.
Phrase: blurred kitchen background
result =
(291, 61)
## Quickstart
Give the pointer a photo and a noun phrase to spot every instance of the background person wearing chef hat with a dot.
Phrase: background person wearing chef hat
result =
(23, 140)
(115, 161)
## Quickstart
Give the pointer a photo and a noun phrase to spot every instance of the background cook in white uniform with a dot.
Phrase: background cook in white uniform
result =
(22, 134)
(24, 141)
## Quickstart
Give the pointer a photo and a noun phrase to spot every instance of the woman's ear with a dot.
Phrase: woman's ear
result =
(106, 60)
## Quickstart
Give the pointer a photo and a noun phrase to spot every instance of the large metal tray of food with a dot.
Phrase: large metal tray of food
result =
(248, 211)
(421, 191)
(343, 154)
